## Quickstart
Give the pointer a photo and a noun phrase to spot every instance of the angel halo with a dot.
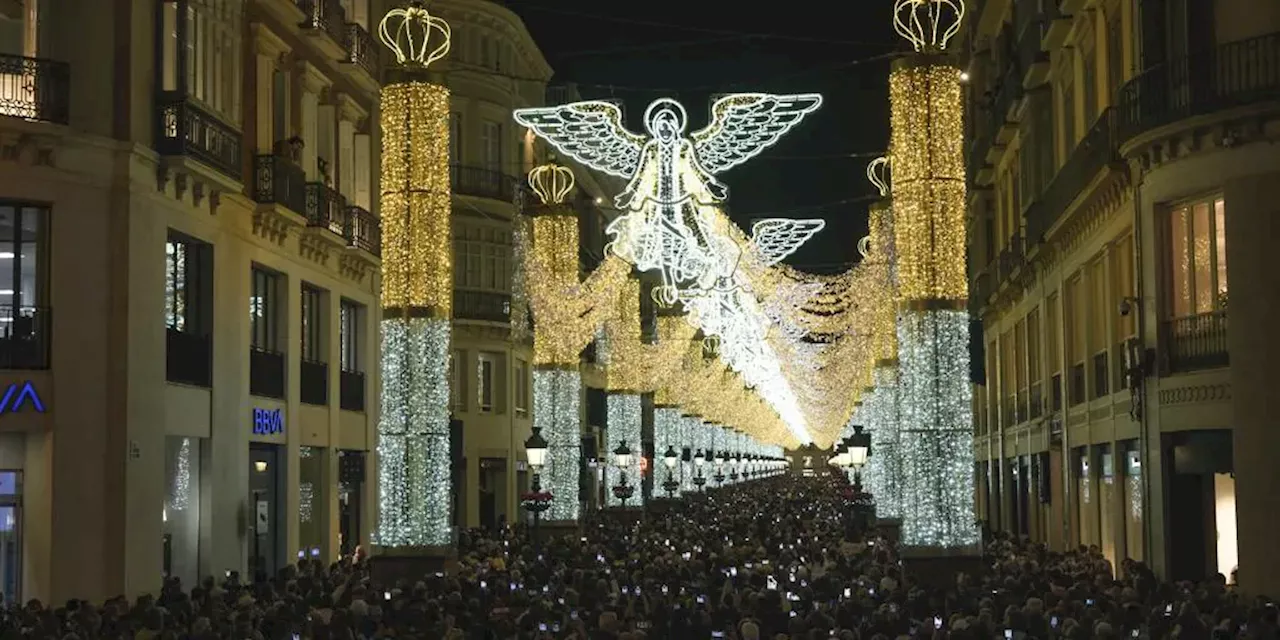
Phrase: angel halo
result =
(668, 209)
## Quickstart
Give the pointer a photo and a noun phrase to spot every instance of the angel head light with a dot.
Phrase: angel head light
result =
(928, 24)
(551, 182)
(665, 119)
(414, 35)
(878, 174)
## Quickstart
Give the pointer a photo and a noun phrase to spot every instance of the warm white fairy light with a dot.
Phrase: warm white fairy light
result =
(929, 25)
(556, 404)
(415, 484)
(623, 424)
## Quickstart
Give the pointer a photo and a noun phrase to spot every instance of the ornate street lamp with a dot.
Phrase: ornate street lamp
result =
(622, 458)
(671, 459)
(699, 459)
(536, 501)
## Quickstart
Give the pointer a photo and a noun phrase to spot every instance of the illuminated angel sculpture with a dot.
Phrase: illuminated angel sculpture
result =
(668, 205)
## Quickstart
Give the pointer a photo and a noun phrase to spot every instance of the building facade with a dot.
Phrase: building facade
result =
(194, 250)
(1117, 148)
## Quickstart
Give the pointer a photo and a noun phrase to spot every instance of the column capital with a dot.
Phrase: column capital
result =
(349, 109)
(266, 42)
(312, 80)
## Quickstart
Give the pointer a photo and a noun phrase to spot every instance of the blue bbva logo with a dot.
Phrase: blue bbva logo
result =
(20, 396)
(268, 421)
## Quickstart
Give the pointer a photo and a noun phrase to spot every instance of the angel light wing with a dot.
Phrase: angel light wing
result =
(776, 238)
(590, 132)
(744, 124)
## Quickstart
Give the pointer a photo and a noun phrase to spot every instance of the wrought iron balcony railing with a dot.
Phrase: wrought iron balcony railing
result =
(1095, 151)
(279, 180)
(35, 89)
(363, 230)
(361, 49)
(488, 306)
(185, 129)
(482, 182)
(1197, 342)
(1229, 75)
(325, 208)
(326, 15)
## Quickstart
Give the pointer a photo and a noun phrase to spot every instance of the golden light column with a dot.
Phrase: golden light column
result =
(415, 490)
(926, 153)
(566, 313)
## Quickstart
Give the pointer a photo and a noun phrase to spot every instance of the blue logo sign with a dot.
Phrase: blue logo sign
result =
(268, 422)
(20, 396)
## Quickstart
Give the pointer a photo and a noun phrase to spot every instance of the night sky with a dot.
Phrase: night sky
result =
(636, 51)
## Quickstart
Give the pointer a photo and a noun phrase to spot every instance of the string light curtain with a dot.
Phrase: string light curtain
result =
(926, 154)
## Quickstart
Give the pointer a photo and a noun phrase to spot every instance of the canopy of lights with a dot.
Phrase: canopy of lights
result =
(749, 355)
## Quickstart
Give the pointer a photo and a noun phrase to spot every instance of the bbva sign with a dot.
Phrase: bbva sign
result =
(20, 397)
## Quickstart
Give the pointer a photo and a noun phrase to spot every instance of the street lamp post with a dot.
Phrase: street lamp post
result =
(622, 458)
(671, 459)
(535, 502)
(699, 459)
(857, 448)
(719, 477)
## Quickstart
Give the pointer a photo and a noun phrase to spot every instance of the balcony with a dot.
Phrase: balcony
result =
(363, 230)
(325, 208)
(1076, 391)
(188, 358)
(482, 182)
(1007, 94)
(35, 89)
(313, 379)
(186, 130)
(328, 18)
(1229, 75)
(1095, 153)
(486, 306)
(1011, 259)
(266, 373)
(1055, 393)
(361, 50)
(24, 337)
(1196, 342)
(278, 180)
(1057, 25)
(351, 391)
(1032, 57)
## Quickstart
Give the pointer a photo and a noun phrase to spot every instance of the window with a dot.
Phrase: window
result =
(1122, 286)
(1020, 368)
(1034, 374)
(1115, 54)
(457, 381)
(482, 258)
(1053, 327)
(279, 106)
(491, 143)
(1098, 312)
(1089, 64)
(486, 52)
(1074, 325)
(1198, 258)
(522, 387)
(350, 319)
(312, 322)
(23, 245)
(455, 137)
(266, 308)
(188, 279)
(200, 52)
(486, 393)
(1068, 96)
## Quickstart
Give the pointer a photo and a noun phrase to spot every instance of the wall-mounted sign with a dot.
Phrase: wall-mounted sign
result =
(21, 397)
(268, 421)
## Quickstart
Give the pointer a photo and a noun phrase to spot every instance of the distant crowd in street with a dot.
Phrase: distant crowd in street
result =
(772, 559)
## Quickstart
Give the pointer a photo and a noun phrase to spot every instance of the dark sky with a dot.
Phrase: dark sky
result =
(637, 51)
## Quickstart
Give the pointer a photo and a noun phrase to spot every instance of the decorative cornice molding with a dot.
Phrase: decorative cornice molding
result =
(312, 79)
(349, 109)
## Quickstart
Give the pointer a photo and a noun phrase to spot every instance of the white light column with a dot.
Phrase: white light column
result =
(557, 402)
(623, 414)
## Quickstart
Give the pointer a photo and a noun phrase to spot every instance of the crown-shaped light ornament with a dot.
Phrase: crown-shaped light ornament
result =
(551, 182)
(878, 174)
(864, 247)
(408, 33)
(928, 24)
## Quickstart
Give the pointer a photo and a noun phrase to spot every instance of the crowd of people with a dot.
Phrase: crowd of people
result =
(772, 559)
